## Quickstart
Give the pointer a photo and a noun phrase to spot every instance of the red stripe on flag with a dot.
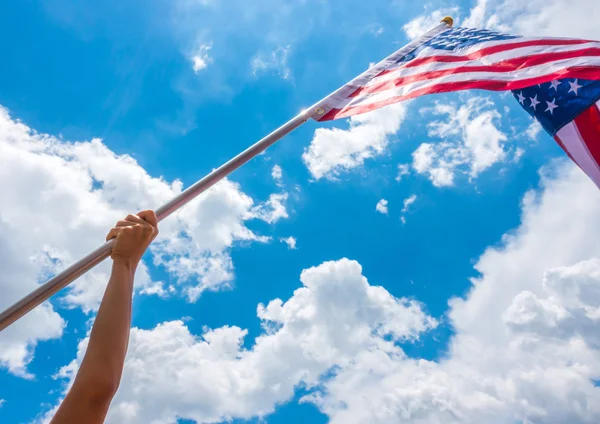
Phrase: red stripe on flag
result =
(590, 73)
(588, 124)
(487, 51)
(508, 65)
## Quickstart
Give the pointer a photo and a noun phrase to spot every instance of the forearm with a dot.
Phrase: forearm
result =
(109, 337)
(102, 364)
(100, 372)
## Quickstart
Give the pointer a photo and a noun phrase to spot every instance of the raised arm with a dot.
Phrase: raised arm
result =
(100, 372)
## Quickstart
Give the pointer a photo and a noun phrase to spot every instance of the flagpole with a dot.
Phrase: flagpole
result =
(76, 270)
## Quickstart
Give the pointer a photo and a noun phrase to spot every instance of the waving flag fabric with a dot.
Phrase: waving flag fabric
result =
(463, 59)
(556, 80)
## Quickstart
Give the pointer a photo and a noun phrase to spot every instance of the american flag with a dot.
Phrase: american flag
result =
(556, 80)
(569, 110)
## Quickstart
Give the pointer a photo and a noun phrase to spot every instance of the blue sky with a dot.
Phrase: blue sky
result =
(183, 86)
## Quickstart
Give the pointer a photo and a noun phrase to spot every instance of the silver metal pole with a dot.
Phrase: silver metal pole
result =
(60, 281)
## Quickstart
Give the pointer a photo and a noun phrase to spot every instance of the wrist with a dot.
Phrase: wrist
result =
(126, 263)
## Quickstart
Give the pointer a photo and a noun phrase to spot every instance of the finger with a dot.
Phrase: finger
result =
(150, 217)
(136, 219)
(113, 233)
(124, 223)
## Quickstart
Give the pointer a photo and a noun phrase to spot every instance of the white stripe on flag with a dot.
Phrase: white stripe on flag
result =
(520, 74)
(484, 61)
(424, 52)
(427, 51)
(571, 138)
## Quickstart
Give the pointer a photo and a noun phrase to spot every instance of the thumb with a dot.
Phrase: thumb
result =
(113, 233)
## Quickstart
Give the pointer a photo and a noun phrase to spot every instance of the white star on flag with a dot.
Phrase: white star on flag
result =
(554, 84)
(534, 102)
(521, 97)
(551, 106)
(574, 87)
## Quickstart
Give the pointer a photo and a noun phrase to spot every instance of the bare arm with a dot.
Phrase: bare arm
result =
(100, 372)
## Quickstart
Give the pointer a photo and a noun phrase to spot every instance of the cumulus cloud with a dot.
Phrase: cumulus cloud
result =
(382, 206)
(539, 17)
(335, 317)
(471, 141)
(427, 160)
(59, 198)
(290, 241)
(477, 18)
(567, 307)
(333, 150)
(272, 210)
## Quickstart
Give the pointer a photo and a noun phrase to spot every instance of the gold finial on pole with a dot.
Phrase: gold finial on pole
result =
(448, 21)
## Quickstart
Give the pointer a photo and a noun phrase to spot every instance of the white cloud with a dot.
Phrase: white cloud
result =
(427, 160)
(335, 318)
(273, 209)
(403, 169)
(277, 61)
(557, 18)
(475, 123)
(59, 199)
(476, 18)
(333, 151)
(382, 206)
(18, 277)
(158, 288)
(408, 202)
(534, 130)
(423, 23)
(200, 58)
(198, 63)
(290, 241)
(277, 173)
(519, 152)
(471, 143)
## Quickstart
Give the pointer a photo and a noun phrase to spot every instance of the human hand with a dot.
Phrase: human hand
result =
(133, 236)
